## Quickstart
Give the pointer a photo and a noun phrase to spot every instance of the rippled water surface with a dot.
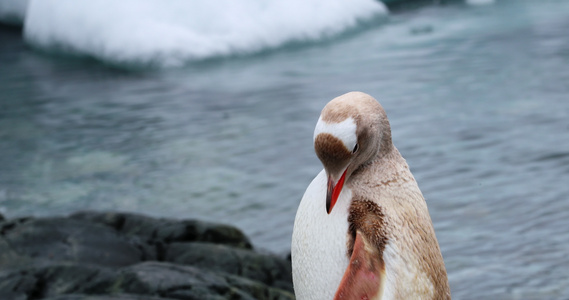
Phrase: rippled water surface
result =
(478, 99)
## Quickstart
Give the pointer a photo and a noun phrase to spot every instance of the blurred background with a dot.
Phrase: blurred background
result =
(206, 109)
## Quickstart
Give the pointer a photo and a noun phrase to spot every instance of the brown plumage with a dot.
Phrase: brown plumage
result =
(391, 248)
(405, 223)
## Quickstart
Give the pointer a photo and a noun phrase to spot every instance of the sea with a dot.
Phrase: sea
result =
(206, 110)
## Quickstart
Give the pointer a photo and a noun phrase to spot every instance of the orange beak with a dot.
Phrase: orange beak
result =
(334, 191)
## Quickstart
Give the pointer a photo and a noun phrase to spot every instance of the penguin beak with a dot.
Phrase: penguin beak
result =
(333, 191)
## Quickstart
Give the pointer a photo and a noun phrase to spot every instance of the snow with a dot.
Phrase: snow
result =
(13, 11)
(174, 32)
(480, 2)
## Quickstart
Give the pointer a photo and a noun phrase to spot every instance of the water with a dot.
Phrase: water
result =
(478, 99)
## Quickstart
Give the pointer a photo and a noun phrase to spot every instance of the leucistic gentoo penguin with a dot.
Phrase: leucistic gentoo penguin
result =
(362, 229)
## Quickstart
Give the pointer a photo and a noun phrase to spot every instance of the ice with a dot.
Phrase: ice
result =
(480, 2)
(172, 33)
(13, 11)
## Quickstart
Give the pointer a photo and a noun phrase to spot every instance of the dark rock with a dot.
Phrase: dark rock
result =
(52, 280)
(67, 279)
(2, 217)
(266, 268)
(100, 256)
(106, 297)
(183, 282)
(158, 231)
(17, 285)
(53, 240)
(152, 280)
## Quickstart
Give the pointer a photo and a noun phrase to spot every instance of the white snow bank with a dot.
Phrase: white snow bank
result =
(480, 2)
(173, 32)
(13, 11)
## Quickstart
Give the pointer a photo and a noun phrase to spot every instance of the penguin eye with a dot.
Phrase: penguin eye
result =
(355, 149)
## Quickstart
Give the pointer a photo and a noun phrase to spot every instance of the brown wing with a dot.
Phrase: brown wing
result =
(364, 277)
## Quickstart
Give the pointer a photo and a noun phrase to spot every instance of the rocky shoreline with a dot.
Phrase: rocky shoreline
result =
(125, 256)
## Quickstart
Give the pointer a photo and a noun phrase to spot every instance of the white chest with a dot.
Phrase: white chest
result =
(318, 250)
